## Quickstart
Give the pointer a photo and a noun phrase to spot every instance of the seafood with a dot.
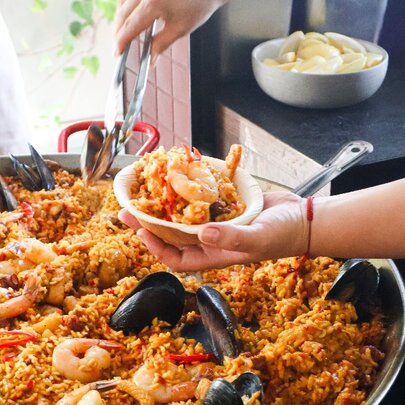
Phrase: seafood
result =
(192, 180)
(35, 177)
(66, 358)
(247, 385)
(232, 160)
(18, 305)
(80, 395)
(160, 295)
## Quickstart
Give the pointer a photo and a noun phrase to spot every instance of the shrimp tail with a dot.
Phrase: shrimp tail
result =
(109, 345)
(31, 287)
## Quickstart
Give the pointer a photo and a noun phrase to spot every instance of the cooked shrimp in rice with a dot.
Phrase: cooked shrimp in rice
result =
(183, 186)
(83, 359)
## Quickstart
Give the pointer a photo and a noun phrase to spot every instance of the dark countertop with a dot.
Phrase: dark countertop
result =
(318, 134)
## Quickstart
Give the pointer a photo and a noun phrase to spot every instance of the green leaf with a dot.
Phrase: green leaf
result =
(70, 72)
(45, 63)
(91, 63)
(75, 28)
(84, 9)
(68, 46)
(39, 5)
(107, 8)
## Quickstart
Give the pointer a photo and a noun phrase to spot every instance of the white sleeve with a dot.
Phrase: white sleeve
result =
(15, 126)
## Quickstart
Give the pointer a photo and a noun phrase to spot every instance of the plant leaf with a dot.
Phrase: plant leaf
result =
(84, 9)
(107, 7)
(75, 28)
(39, 5)
(70, 72)
(91, 63)
(68, 46)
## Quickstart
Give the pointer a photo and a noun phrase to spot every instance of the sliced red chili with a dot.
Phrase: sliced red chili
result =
(182, 358)
(9, 356)
(28, 337)
(27, 209)
(30, 384)
(197, 154)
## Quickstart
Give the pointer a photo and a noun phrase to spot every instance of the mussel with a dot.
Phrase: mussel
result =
(220, 323)
(7, 200)
(221, 392)
(159, 295)
(37, 177)
(357, 282)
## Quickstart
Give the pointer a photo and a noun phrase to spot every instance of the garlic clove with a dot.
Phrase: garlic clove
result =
(270, 62)
(287, 57)
(373, 59)
(291, 43)
(308, 64)
(341, 41)
(318, 36)
(326, 51)
(330, 66)
(354, 66)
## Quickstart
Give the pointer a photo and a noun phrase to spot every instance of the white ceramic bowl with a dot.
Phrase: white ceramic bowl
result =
(310, 90)
(181, 234)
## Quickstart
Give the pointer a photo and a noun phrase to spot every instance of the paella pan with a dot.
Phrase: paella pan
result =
(65, 343)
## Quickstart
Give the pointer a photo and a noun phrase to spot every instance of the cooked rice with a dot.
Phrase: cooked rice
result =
(306, 350)
(153, 194)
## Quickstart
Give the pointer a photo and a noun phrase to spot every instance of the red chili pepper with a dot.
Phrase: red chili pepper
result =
(183, 358)
(27, 209)
(30, 384)
(29, 337)
(190, 157)
(9, 356)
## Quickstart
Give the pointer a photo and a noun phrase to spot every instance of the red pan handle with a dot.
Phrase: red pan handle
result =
(147, 129)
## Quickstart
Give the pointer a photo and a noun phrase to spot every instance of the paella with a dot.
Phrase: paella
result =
(89, 316)
(183, 187)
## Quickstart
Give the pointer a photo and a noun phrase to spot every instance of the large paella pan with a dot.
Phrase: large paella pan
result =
(58, 340)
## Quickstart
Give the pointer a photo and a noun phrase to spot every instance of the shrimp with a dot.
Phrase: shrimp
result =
(95, 358)
(193, 181)
(30, 252)
(232, 159)
(87, 394)
(18, 305)
(148, 379)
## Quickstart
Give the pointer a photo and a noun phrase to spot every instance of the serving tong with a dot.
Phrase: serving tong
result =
(100, 149)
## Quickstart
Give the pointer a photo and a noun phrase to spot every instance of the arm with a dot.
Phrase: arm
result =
(179, 16)
(364, 223)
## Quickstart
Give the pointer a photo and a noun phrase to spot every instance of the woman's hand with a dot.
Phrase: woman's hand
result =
(281, 230)
(179, 16)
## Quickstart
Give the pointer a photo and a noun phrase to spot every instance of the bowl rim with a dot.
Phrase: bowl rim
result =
(251, 211)
(258, 47)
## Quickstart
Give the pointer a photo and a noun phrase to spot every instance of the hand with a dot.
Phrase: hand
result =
(179, 16)
(281, 230)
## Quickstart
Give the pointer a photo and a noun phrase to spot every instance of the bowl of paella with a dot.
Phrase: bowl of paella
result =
(88, 315)
(172, 193)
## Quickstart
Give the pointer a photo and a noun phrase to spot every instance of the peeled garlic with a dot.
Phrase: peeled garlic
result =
(318, 36)
(354, 66)
(291, 43)
(327, 51)
(330, 66)
(286, 66)
(350, 57)
(342, 41)
(309, 42)
(287, 57)
(373, 59)
(270, 62)
(308, 64)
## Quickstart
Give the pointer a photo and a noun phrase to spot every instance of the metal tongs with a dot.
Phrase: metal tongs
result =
(100, 148)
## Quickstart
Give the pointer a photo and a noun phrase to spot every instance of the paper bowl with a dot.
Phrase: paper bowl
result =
(308, 90)
(181, 234)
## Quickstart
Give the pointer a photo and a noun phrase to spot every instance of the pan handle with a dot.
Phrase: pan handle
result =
(149, 130)
(349, 155)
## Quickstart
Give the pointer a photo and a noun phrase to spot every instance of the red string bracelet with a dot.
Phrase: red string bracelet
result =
(310, 217)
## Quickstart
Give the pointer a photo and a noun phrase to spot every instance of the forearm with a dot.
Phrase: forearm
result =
(365, 223)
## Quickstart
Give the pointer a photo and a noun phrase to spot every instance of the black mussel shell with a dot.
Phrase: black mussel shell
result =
(357, 281)
(221, 392)
(160, 279)
(159, 295)
(248, 384)
(196, 330)
(44, 172)
(92, 146)
(28, 176)
(7, 200)
(140, 309)
(220, 323)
